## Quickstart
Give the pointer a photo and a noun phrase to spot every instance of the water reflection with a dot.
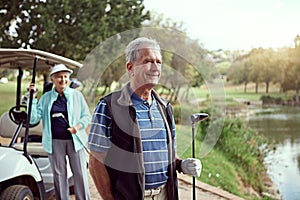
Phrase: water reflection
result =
(281, 124)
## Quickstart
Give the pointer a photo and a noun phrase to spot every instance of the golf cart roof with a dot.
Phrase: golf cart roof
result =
(24, 58)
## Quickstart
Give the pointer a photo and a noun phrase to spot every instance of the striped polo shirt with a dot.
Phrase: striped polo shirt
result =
(153, 137)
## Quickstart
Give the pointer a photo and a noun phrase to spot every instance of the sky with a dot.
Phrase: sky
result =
(234, 24)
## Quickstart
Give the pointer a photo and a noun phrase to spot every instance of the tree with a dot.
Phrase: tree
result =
(259, 65)
(291, 73)
(66, 27)
(239, 71)
(183, 58)
(270, 67)
(254, 63)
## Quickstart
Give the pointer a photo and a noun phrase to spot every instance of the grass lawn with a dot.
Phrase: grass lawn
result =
(217, 170)
(8, 96)
(232, 92)
(237, 91)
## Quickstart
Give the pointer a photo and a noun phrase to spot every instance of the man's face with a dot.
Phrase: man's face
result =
(61, 80)
(146, 70)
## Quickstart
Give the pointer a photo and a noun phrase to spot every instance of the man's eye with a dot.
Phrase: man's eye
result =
(153, 61)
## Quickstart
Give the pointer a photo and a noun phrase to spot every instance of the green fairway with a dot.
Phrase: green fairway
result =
(8, 96)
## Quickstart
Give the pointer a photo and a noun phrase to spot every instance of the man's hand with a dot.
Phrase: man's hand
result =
(191, 166)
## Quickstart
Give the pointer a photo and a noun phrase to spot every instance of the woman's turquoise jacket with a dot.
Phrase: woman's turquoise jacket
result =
(78, 112)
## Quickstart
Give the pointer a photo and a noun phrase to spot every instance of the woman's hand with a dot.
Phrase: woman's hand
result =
(32, 87)
(72, 130)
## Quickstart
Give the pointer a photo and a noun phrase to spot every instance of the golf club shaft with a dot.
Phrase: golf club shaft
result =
(193, 155)
(83, 144)
(194, 188)
(196, 117)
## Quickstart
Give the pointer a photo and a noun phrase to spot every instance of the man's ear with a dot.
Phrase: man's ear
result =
(129, 66)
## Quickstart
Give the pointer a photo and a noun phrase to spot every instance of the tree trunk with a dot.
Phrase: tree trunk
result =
(46, 77)
(105, 89)
(256, 87)
(185, 95)
(245, 87)
(267, 87)
(297, 95)
(177, 93)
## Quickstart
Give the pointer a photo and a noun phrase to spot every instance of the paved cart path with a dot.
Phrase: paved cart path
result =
(203, 191)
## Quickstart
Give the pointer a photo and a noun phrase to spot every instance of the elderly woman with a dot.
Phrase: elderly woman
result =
(65, 115)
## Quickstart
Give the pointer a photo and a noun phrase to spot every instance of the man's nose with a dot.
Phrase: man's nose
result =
(155, 66)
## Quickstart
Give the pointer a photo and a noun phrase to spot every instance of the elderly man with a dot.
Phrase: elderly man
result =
(132, 135)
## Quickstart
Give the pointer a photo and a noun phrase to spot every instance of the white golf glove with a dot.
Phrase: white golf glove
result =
(191, 166)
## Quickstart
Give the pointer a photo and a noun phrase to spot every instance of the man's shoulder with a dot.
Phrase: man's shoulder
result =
(166, 101)
(161, 99)
(110, 95)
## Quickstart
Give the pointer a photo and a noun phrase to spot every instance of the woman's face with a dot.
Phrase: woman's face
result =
(60, 80)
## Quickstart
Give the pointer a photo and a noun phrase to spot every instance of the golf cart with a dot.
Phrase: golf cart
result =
(25, 171)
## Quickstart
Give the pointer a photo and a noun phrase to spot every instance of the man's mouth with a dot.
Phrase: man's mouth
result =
(153, 75)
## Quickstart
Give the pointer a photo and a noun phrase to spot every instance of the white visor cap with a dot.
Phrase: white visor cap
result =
(60, 68)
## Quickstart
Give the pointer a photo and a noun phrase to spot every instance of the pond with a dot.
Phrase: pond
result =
(281, 125)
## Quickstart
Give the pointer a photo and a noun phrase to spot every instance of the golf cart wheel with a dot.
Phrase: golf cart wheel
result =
(18, 115)
(17, 192)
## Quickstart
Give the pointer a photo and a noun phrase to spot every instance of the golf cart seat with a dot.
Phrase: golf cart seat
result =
(8, 129)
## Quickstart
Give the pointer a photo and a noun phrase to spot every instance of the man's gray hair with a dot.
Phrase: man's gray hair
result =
(132, 49)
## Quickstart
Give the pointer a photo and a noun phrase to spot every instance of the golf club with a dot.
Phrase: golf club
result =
(196, 117)
(56, 115)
